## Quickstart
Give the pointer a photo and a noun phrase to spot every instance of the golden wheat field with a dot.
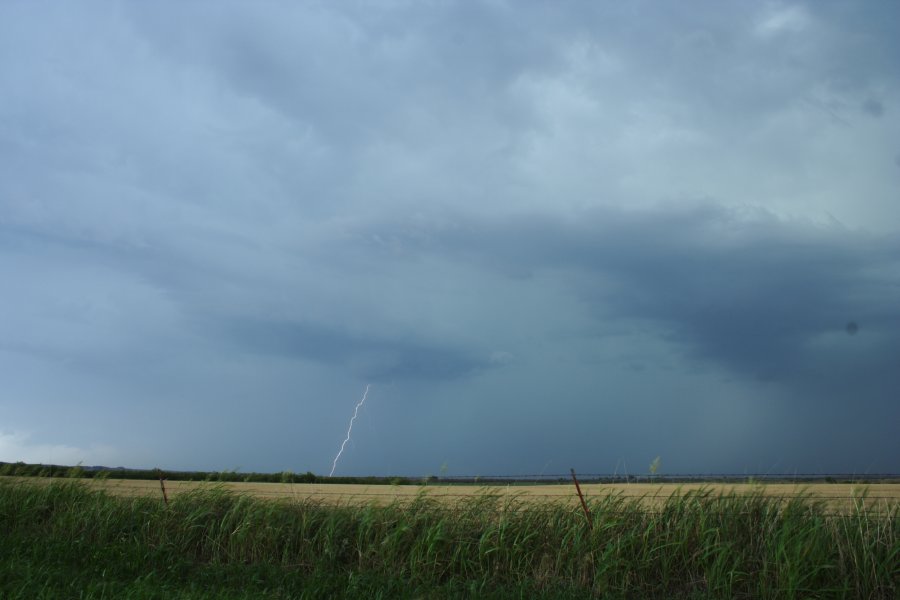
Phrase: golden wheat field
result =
(837, 497)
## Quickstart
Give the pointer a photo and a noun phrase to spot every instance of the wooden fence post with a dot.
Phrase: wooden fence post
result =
(584, 506)
(162, 486)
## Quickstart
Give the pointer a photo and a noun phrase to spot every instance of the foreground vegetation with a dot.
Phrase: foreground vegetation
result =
(66, 540)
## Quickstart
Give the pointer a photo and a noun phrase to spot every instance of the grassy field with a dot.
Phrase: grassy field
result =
(834, 497)
(69, 539)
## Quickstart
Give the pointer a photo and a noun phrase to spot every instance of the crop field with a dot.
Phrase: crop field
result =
(72, 538)
(835, 497)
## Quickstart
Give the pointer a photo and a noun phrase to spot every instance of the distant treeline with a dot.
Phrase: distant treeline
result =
(21, 469)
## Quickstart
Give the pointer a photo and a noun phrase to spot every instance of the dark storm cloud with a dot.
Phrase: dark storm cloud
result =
(252, 210)
(769, 298)
(371, 66)
(375, 359)
(194, 285)
(873, 107)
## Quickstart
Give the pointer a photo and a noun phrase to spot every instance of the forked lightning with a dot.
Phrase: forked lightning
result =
(349, 429)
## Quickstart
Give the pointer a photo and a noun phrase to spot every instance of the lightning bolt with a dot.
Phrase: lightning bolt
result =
(349, 429)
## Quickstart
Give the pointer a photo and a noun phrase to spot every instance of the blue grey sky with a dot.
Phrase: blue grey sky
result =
(548, 234)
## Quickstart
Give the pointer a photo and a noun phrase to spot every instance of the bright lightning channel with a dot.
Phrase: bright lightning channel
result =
(349, 429)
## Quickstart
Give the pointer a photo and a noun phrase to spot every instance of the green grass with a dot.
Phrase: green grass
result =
(66, 541)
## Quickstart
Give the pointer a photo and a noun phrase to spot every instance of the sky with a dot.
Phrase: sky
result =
(546, 234)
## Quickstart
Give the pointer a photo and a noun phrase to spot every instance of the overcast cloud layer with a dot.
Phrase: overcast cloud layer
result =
(549, 235)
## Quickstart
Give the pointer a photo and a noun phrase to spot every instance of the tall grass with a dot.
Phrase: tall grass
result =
(64, 540)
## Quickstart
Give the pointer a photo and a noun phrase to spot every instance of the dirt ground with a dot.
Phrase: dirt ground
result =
(837, 497)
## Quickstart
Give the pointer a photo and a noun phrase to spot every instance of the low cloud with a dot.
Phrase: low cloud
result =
(873, 107)
(767, 297)
(16, 446)
(371, 357)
